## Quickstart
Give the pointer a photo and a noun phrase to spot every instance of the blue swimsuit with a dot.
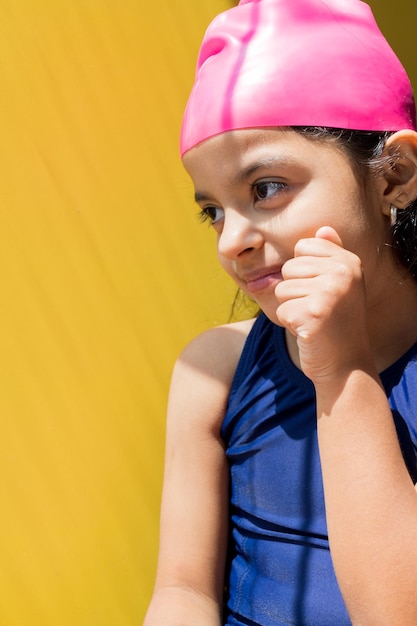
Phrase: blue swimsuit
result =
(280, 569)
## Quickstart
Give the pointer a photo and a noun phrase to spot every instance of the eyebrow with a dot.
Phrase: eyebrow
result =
(201, 197)
(247, 172)
(267, 162)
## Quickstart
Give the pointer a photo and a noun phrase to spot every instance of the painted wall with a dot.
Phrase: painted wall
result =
(105, 274)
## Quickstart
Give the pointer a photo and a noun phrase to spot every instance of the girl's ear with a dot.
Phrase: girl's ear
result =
(399, 175)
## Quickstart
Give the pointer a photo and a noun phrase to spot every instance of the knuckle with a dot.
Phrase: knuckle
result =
(347, 272)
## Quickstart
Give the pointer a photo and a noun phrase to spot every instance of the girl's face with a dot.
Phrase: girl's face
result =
(263, 190)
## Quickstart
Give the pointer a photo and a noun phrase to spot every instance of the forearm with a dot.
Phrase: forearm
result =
(371, 503)
(178, 606)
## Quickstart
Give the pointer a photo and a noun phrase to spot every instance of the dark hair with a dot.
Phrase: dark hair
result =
(243, 307)
(365, 151)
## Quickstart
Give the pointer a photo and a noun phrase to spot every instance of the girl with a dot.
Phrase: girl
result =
(289, 491)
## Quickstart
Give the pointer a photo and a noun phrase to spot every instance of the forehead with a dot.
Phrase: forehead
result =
(233, 154)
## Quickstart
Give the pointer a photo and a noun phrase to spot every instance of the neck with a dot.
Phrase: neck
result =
(392, 321)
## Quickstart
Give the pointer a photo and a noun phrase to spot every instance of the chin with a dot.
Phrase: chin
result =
(270, 312)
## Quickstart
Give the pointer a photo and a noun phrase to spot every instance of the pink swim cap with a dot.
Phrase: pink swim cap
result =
(296, 63)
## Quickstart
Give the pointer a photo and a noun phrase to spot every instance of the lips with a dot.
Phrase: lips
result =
(262, 279)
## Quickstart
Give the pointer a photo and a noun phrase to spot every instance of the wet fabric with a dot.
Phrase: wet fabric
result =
(281, 570)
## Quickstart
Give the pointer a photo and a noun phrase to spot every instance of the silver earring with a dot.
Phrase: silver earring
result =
(393, 214)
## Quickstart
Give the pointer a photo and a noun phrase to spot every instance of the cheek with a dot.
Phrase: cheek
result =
(341, 208)
(227, 265)
(359, 219)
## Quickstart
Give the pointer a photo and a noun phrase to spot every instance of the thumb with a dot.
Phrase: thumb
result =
(329, 233)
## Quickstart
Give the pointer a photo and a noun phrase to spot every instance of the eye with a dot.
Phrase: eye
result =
(266, 189)
(211, 214)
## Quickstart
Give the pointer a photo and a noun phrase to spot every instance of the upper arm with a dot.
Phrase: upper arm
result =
(193, 538)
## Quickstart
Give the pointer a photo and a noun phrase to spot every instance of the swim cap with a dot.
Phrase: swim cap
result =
(270, 63)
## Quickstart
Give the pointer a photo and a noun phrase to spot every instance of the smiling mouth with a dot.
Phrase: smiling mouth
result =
(263, 281)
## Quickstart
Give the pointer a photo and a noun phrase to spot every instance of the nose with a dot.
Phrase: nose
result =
(239, 235)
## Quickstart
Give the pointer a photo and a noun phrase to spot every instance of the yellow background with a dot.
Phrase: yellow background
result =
(105, 275)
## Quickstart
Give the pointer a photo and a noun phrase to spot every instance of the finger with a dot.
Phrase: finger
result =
(305, 266)
(290, 317)
(329, 233)
(292, 289)
(321, 245)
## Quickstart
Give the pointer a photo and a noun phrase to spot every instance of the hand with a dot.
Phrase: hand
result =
(322, 301)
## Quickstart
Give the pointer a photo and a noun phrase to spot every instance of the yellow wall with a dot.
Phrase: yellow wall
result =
(398, 22)
(105, 275)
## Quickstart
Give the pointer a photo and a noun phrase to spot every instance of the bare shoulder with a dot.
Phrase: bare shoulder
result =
(217, 351)
(203, 375)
